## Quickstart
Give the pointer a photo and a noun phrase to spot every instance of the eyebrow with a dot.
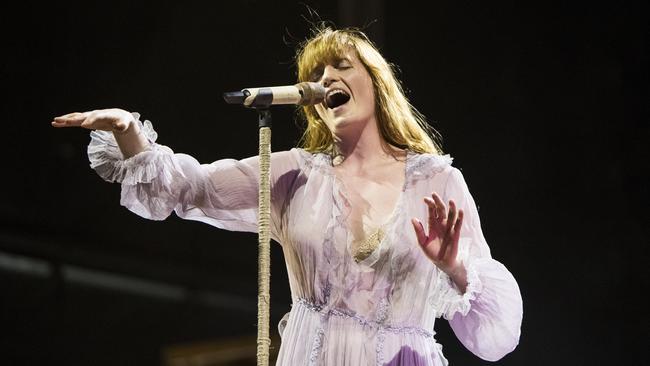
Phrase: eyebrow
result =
(333, 60)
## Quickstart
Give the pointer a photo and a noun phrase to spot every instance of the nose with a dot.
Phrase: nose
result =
(329, 75)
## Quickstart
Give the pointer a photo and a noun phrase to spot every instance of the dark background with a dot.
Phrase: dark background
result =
(543, 106)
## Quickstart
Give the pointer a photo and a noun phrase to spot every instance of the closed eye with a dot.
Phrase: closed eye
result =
(343, 64)
(317, 74)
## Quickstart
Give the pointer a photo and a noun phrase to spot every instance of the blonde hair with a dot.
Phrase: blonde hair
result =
(399, 123)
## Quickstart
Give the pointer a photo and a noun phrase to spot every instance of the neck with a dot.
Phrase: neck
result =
(362, 147)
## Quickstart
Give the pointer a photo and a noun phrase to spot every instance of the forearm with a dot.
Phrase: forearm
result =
(492, 326)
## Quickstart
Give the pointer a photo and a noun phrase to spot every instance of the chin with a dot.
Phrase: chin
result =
(342, 122)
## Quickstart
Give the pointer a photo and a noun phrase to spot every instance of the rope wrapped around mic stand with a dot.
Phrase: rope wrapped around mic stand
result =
(305, 93)
(264, 238)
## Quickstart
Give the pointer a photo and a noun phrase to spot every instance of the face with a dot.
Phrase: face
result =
(343, 78)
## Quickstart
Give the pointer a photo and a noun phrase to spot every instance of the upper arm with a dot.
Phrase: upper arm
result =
(471, 236)
(225, 193)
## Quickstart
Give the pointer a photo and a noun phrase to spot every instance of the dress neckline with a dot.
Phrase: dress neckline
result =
(386, 226)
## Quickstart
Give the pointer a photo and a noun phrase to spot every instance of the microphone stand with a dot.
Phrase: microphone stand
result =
(261, 100)
(261, 104)
(264, 238)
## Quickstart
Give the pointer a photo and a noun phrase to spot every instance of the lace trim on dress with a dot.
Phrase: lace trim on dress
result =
(107, 159)
(425, 166)
(316, 347)
(317, 344)
(378, 324)
(319, 161)
(446, 300)
(419, 166)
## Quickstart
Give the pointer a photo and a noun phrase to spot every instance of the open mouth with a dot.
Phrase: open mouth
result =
(336, 98)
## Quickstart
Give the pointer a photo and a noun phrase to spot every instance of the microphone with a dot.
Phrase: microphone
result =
(306, 93)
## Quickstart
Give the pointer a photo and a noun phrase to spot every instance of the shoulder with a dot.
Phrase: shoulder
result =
(312, 161)
(426, 166)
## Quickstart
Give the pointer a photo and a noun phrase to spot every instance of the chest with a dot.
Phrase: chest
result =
(371, 197)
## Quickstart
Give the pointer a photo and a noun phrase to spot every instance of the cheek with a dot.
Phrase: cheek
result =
(364, 83)
(369, 95)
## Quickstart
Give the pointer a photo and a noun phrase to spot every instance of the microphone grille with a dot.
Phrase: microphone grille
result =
(312, 93)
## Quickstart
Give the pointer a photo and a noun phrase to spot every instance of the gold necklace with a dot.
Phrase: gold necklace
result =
(368, 245)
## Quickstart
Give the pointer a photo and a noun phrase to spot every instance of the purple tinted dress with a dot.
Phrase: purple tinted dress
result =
(380, 311)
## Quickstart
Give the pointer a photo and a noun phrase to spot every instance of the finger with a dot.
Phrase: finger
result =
(452, 249)
(452, 215)
(68, 115)
(73, 115)
(419, 231)
(459, 225)
(66, 123)
(59, 124)
(431, 205)
(69, 120)
(94, 119)
(88, 123)
(440, 206)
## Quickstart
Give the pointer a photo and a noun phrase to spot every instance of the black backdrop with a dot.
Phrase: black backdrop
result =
(543, 106)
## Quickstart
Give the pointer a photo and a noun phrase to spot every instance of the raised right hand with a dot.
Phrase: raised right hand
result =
(113, 119)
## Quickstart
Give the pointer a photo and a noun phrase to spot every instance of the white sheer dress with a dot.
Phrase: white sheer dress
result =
(380, 311)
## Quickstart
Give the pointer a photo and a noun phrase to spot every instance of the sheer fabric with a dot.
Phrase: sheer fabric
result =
(380, 311)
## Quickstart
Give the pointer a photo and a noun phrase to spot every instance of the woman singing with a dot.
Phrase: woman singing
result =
(380, 233)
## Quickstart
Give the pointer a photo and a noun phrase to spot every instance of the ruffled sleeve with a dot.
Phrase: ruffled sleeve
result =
(223, 194)
(487, 317)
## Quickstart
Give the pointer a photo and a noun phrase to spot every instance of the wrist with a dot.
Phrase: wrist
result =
(125, 125)
(132, 139)
(458, 275)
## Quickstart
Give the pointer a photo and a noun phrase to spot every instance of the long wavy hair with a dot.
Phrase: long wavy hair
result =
(399, 123)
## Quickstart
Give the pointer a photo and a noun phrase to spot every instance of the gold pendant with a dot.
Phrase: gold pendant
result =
(369, 245)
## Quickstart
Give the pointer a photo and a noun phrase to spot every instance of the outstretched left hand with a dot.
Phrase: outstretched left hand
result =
(440, 243)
